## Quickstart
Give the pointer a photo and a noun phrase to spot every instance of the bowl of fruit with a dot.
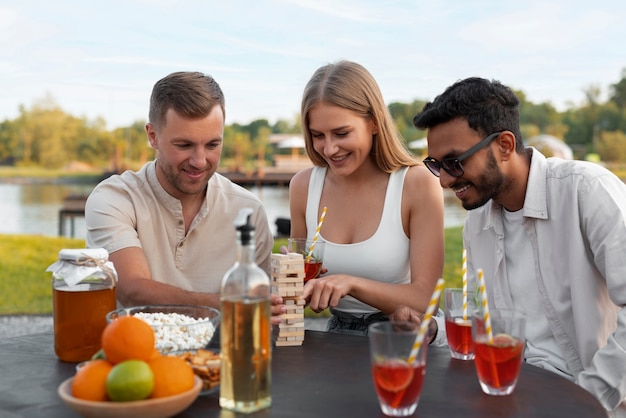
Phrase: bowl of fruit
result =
(129, 377)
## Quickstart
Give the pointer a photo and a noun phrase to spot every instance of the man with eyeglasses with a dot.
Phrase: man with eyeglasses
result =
(549, 234)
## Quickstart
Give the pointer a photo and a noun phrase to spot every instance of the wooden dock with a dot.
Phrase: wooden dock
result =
(276, 178)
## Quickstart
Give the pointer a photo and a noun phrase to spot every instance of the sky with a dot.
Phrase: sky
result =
(101, 58)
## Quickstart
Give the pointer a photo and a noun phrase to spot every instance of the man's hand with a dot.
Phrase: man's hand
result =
(278, 308)
(406, 314)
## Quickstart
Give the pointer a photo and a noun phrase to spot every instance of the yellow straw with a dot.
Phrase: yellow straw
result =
(464, 284)
(316, 236)
(434, 301)
(485, 305)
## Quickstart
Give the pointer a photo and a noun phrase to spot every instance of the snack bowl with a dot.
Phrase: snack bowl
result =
(176, 327)
(206, 365)
(147, 408)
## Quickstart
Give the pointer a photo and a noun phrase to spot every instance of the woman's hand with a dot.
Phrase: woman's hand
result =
(326, 292)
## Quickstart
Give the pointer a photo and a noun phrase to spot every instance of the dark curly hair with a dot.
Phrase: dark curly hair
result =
(488, 106)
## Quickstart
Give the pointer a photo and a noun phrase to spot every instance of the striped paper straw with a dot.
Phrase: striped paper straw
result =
(485, 305)
(464, 284)
(317, 235)
(434, 300)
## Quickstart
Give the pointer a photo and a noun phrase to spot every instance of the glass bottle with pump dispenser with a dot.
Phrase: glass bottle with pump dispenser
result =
(245, 377)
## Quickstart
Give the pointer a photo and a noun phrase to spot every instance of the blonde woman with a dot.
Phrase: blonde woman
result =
(384, 223)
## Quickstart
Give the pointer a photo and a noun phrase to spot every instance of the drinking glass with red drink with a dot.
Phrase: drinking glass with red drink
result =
(498, 354)
(313, 253)
(398, 383)
(459, 323)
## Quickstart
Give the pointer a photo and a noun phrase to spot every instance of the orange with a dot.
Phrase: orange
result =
(172, 375)
(156, 353)
(128, 338)
(504, 340)
(393, 375)
(90, 381)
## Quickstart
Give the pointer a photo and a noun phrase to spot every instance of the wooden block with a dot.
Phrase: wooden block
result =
(291, 334)
(292, 316)
(288, 343)
(294, 309)
(297, 300)
(280, 257)
(287, 292)
(296, 278)
(291, 327)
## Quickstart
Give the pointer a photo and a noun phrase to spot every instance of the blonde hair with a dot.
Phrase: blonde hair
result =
(350, 86)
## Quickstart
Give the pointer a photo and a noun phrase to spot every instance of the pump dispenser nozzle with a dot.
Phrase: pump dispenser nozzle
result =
(244, 225)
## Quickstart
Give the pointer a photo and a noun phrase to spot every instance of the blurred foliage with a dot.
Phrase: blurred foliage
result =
(611, 146)
(46, 136)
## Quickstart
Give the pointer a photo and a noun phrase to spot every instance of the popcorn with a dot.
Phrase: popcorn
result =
(178, 332)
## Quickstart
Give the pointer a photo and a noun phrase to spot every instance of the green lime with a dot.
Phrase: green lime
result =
(130, 380)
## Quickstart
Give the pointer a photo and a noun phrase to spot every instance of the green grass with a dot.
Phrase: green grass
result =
(25, 286)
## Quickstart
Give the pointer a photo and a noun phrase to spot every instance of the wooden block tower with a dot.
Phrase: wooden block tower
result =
(288, 282)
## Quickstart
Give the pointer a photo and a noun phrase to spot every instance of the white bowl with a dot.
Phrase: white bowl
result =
(182, 336)
(148, 408)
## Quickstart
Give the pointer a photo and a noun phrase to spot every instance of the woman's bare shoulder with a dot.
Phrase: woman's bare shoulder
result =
(419, 176)
(301, 179)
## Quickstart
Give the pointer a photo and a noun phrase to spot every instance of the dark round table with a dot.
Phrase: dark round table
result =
(328, 376)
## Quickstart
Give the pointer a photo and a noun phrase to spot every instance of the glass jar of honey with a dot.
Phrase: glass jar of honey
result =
(83, 292)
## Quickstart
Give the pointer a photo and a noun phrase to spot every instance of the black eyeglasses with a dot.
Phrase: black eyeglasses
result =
(453, 166)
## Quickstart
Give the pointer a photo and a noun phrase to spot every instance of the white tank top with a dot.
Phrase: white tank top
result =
(383, 257)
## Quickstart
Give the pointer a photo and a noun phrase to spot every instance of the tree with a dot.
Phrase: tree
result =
(283, 126)
(8, 134)
(403, 115)
(541, 115)
(618, 91)
(133, 144)
(612, 146)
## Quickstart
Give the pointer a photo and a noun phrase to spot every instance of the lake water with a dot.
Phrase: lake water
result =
(33, 209)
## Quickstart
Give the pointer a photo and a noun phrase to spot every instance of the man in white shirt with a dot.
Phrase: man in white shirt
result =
(549, 234)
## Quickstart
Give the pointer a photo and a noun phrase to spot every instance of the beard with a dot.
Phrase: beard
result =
(177, 179)
(490, 184)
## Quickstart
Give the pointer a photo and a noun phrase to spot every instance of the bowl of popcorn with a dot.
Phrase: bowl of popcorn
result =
(176, 327)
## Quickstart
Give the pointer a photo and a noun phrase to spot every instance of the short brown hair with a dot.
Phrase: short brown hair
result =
(190, 94)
